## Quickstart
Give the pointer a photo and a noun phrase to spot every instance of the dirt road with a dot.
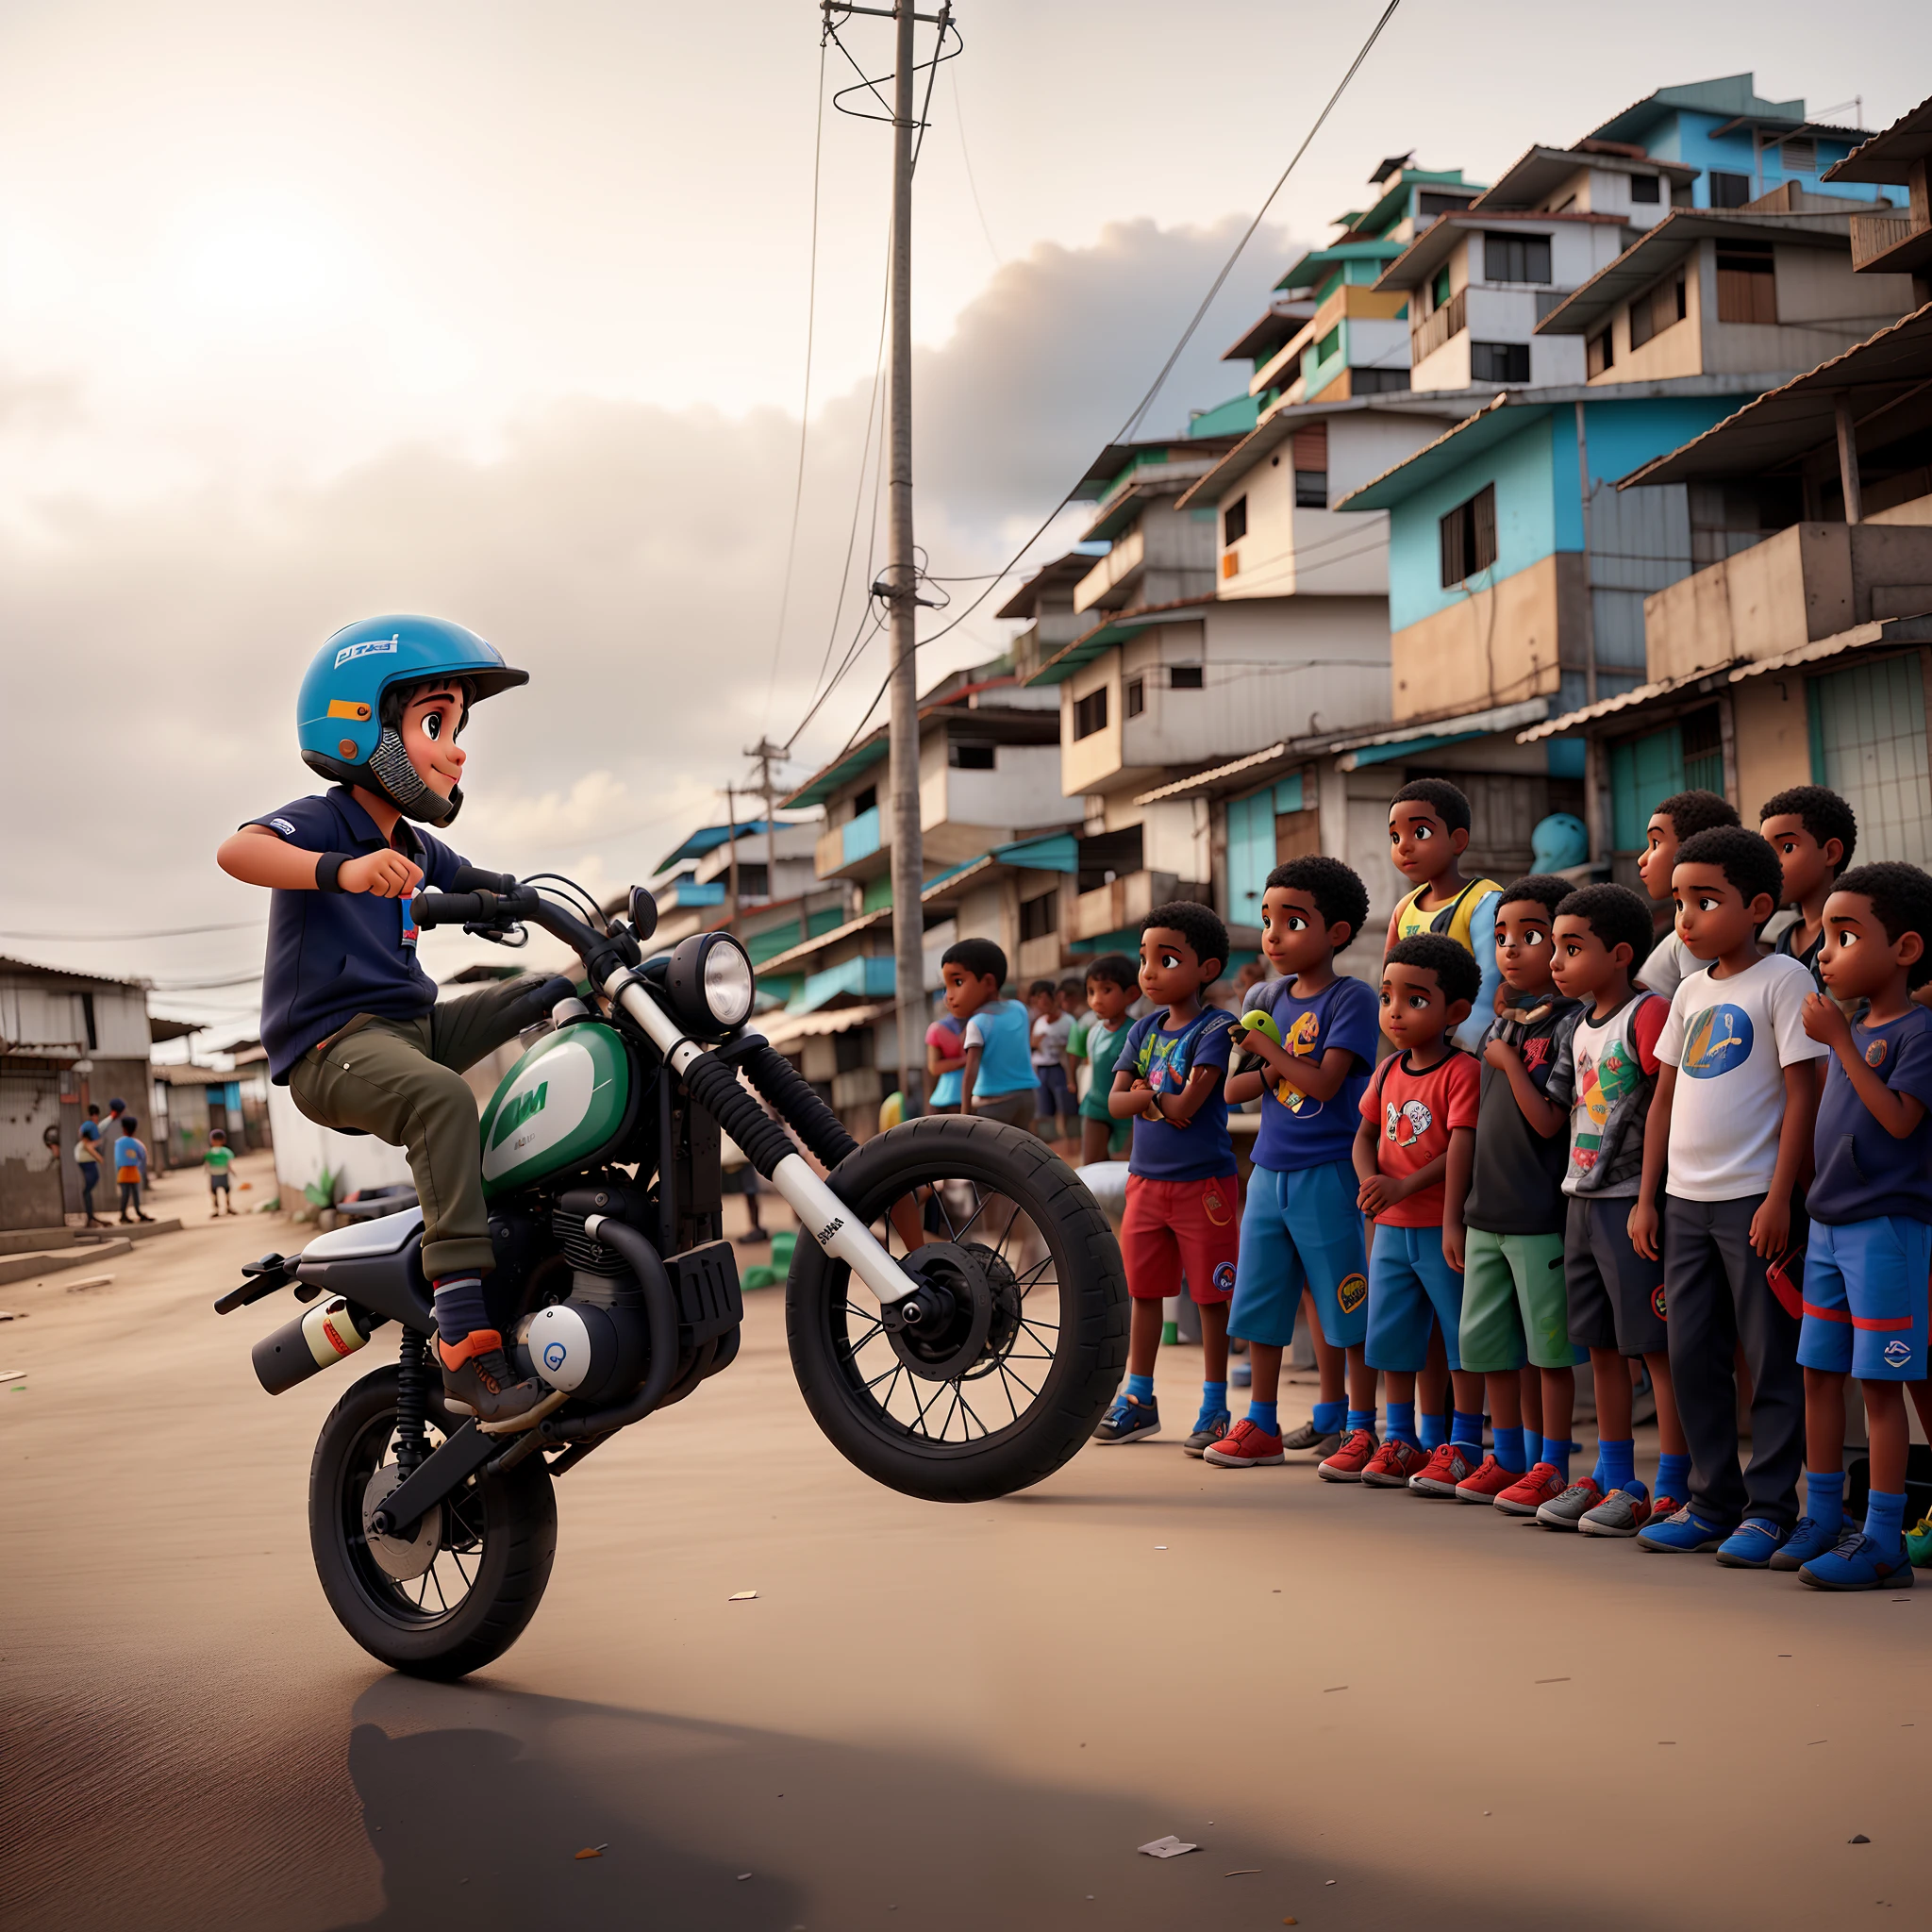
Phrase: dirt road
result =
(1369, 1710)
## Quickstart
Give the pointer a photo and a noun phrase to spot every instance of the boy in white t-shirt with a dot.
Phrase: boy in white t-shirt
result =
(1736, 1096)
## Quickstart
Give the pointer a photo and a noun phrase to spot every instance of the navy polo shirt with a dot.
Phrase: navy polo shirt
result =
(334, 955)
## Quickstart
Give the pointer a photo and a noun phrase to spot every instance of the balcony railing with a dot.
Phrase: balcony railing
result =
(1874, 236)
(1432, 330)
(846, 844)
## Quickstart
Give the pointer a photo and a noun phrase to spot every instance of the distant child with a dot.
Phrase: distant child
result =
(1513, 1297)
(945, 1062)
(1814, 833)
(1429, 832)
(1679, 817)
(1604, 1076)
(1113, 983)
(1871, 1248)
(1074, 997)
(996, 1079)
(1736, 1098)
(217, 1160)
(1413, 1151)
(1054, 1102)
(130, 1168)
(87, 1157)
(1183, 1199)
(1301, 1224)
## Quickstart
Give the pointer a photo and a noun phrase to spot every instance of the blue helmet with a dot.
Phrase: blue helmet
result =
(339, 710)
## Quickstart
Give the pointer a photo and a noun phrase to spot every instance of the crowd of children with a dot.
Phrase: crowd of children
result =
(1695, 1165)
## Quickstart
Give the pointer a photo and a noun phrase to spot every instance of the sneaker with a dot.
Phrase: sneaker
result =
(1393, 1464)
(1661, 1507)
(1858, 1563)
(1529, 1493)
(1128, 1420)
(1571, 1507)
(1808, 1539)
(1682, 1533)
(1241, 1375)
(1489, 1482)
(1347, 1463)
(1247, 1445)
(1309, 1441)
(1622, 1512)
(1449, 1466)
(478, 1380)
(1208, 1430)
(1919, 1544)
(1752, 1544)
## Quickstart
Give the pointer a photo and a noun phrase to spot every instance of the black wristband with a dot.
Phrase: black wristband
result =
(327, 870)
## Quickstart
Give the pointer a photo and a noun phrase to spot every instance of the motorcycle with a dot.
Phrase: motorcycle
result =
(947, 1269)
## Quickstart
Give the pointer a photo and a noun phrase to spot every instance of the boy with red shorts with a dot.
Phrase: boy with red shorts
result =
(1183, 1213)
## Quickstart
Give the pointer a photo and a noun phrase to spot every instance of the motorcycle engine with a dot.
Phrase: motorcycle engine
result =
(596, 1343)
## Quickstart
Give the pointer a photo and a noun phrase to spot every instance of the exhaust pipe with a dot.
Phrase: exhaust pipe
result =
(315, 1339)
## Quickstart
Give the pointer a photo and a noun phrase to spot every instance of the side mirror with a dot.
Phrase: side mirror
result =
(643, 914)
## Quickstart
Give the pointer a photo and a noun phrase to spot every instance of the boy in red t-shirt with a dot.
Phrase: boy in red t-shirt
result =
(1417, 1140)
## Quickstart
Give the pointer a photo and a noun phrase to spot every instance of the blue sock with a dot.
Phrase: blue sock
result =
(1266, 1415)
(1402, 1422)
(1532, 1445)
(1557, 1454)
(460, 1309)
(1674, 1477)
(1885, 1521)
(1330, 1416)
(1467, 1430)
(1140, 1387)
(1432, 1432)
(1213, 1400)
(1616, 1465)
(1825, 1499)
(1361, 1418)
(1508, 1450)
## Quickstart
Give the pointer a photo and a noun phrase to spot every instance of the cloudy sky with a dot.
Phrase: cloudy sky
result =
(498, 310)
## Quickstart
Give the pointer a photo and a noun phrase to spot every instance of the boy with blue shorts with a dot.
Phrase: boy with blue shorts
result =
(1871, 1247)
(1301, 1224)
(1414, 1152)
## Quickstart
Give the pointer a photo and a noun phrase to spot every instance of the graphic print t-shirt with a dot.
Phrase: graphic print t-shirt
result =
(1203, 1149)
(1415, 1114)
(1606, 1076)
(1730, 1041)
(1298, 1130)
(1863, 1170)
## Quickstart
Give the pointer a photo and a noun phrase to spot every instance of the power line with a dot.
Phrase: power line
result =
(973, 186)
(172, 932)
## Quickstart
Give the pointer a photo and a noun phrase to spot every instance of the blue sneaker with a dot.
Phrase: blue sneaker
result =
(1858, 1563)
(1128, 1420)
(1752, 1544)
(1686, 1533)
(1808, 1539)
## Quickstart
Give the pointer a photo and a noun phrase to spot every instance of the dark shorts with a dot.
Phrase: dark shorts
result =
(1616, 1296)
(218, 1182)
(1015, 1108)
(1054, 1097)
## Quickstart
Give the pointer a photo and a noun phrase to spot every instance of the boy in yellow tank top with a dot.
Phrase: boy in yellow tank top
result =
(1428, 833)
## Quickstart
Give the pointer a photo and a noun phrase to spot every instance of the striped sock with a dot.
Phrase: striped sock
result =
(459, 1307)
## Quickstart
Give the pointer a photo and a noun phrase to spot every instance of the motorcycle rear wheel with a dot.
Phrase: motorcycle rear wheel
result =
(494, 1543)
(1051, 1346)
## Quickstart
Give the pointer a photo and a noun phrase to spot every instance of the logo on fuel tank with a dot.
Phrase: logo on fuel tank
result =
(517, 1109)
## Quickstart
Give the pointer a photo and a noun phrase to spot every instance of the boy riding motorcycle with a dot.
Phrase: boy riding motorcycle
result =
(349, 1018)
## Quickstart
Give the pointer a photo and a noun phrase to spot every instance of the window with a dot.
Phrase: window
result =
(1702, 741)
(1312, 490)
(1432, 202)
(1469, 537)
(1729, 191)
(1656, 310)
(1516, 257)
(1439, 289)
(1376, 382)
(1329, 345)
(1499, 361)
(1234, 521)
(1599, 354)
(1090, 713)
(1039, 918)
(970, 758)
(1137, 696)
(1868, 743)
(863, 801)
(1186, 677)
(87, 1017)
(1746, 283)
(1799, 154)
(1645, 188)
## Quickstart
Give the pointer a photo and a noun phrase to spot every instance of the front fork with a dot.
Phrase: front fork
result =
(820, 1211)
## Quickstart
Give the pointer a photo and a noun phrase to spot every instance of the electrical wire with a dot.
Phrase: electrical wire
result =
(972, 185)
(170, 932)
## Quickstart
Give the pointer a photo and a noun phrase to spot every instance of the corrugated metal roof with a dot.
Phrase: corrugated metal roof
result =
(1884, 158)
(1115, 628)
(784, 1028)
(797, 955)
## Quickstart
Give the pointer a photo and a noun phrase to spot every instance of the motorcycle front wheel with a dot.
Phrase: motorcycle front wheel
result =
(1006, 1382)
(455, 1594)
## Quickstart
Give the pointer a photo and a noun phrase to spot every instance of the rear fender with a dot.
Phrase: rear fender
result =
(378, 1265)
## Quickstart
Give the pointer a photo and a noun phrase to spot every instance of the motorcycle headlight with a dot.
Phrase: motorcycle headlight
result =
(710, 982)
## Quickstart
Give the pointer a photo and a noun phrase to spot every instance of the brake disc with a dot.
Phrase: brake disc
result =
(404, 1558)
(957, 1300)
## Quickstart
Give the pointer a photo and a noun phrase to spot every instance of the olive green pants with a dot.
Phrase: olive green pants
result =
(401, 1080)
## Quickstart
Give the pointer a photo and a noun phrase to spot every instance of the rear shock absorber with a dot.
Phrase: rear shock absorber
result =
(412, 1377)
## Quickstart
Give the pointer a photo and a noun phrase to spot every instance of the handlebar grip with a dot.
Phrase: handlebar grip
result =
(448, 909)
(473, 878)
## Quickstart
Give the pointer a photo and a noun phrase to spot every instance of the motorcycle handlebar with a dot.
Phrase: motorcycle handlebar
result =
(485, 908)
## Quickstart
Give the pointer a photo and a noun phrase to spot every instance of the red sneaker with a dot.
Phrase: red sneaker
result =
(1247, 1445)
(1346, 1465)
(1449, 1466)
(1393, 1464)
(1487, 1484)
(1528, 1494)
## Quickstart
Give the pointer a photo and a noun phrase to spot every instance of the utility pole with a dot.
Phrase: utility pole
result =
(765, 751)
(731, 848)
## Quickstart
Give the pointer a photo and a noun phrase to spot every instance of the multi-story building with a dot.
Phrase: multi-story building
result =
(1894, 242)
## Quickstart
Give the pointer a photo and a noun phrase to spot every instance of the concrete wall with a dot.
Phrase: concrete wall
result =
(304, 1151)
(1022, 791)
(31, 1194)
(1770, 728)
(1174, 548)
(1500, 642)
